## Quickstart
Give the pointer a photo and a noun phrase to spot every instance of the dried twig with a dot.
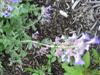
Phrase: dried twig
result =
(93, 26)
(75, 4)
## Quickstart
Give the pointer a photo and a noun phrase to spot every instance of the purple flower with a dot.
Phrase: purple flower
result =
(46, 14)
(57, 40)
(78, 60)
(10, 8)
(58, 52)
(6, 14)
(85, 36)
(94, 40)
(16, 1)
(69, 54)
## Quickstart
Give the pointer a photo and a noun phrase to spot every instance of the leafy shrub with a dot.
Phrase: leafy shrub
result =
(14, 21)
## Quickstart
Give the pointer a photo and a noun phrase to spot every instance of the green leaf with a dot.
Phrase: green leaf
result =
(72, 70)
(49, 56)
(53, 49)
(23, 53)
(35, 74)
(95, 54)
(86, 59)
(94, 72)
(29, 69)
(53, 59)
(46, 41)
(29, 46)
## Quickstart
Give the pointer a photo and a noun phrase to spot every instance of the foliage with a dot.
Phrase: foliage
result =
(13, 28)
(86, 58)
(38, 71)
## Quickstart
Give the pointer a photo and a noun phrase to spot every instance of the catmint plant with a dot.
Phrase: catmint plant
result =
(75, 46)
(13, 16)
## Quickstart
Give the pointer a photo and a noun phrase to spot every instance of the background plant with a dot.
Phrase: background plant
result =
(14, 24)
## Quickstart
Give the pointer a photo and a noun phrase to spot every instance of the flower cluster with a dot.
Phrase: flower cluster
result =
(74, 47)
(6, 7)
(46, 14)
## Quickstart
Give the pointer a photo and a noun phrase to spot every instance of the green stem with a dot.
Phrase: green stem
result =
(47, 45)
(36, 42)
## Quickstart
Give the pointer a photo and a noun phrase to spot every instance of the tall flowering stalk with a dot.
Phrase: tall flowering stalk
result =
(74, 47)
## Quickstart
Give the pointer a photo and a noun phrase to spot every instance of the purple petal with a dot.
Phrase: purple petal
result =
(94, 40)
(78, 60)
(85, 36)
(16, 1)
(58, 52)
(57, 40)
(6, 14)
(46, 14)
(10, 8)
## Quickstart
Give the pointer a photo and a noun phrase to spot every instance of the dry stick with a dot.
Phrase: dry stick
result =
(68, 6)
(93, 26)
(97, 5)
(72, 1)
(75, 4)
(93, 2)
